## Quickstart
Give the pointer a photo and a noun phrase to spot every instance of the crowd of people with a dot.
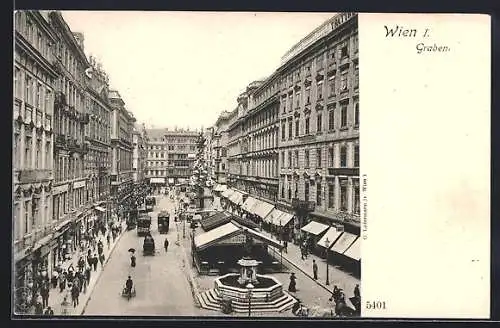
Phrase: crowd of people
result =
(72, 280)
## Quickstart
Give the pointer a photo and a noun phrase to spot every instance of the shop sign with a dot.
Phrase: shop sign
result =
(79, 184)
(60, 189)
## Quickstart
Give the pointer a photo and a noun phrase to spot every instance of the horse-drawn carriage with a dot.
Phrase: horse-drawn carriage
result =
(148, 247)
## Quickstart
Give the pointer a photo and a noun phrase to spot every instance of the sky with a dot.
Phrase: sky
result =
(184, 68)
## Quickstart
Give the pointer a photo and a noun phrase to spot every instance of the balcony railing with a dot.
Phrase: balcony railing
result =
(349, 171)
(39, 175)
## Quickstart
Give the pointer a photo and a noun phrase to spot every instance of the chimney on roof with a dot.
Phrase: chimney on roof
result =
(79, 39)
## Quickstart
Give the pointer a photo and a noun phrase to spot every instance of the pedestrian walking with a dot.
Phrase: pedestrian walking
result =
(75, 294)
(44, 292)
(62, 281)
(315, 270)
(292, 286)
(285, 246)
(54, 279)
(88, 274)
(101, 259)
(81, 263)
(95, 260)
(108, 240)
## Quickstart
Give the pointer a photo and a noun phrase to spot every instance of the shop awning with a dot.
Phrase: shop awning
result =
(262, 208)
(236, 198)
(216, 220)
(220, 187)
(273, 217)
(100, 209)
(170, 180)
(157, 180)
(343, 242)
(332, 234)
(205, 239)
(314, 228)
(227, 193)
(285, 218)
(354, 252)
(248, 204)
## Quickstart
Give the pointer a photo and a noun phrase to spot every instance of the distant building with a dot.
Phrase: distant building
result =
(139, 156)
(122, 124)
(171, 155)
(219, 147)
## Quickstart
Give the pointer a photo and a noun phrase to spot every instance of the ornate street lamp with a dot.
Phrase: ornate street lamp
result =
(327, 244)
(249, 295)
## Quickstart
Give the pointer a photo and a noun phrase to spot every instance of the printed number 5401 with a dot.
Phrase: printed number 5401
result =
(375, 305)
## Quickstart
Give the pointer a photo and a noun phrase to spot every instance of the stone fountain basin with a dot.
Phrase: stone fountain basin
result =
(268, 288)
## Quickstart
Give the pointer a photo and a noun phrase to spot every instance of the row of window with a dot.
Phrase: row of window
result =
(32, 154)
(172, 147)
(290, 190)
(29, 114)
(261, 119)
(287, 125)
(167, 163)
(36, 93)
(342, 50)
(334, 87)
(291, 159)
(160, 173)
(32, 215)
(267, 168)
(185, 140)
(68, 168)
(69, 127)
(260, 142)
(25, 25)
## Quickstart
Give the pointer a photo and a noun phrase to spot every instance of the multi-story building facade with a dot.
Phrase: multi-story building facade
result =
(208, 152)
(122, 125)
(33, 144)
(139, 156)
(319, 123)
(233, 167)
(70, 117)
(220, 143)
(98, 135)
(171, 155)
(259, 141)
(156, 159)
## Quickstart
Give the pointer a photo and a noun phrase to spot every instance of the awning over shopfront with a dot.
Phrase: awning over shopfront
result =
(262, 208)
(216, 220)
(206, 239)
(332, 234)
(248, 204)
(227, 193)
(220, 187)
(157, 180)
(343, 242)
(284, 219)
(100, 209)
(170, 180)
(273, 216)
(236, 197)
(354, 252)
(315, 228)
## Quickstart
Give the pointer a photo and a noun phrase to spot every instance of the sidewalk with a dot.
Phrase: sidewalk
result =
(56, 298)
(338, 277)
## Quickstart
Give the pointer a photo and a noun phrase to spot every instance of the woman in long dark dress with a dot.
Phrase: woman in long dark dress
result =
(292, 285)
